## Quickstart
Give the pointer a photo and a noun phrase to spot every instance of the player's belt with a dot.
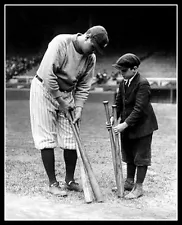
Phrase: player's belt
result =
(40, 79)
(68, 90)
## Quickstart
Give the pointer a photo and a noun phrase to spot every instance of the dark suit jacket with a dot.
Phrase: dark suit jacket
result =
(135, 109)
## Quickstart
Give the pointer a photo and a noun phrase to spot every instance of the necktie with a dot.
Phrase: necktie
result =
(126, 85)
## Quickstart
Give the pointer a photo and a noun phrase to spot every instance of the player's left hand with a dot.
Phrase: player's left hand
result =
(77, 115)
(120, 127)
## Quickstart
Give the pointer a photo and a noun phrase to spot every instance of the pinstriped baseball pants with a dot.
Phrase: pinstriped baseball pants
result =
(50, 128)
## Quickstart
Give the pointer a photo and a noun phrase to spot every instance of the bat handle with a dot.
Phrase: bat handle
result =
(76, 124)
(114, 113)
(106, 106)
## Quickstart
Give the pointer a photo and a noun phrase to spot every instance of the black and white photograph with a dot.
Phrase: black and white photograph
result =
(90, 112)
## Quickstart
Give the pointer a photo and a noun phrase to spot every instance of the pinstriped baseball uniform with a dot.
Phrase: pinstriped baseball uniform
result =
(62, 72)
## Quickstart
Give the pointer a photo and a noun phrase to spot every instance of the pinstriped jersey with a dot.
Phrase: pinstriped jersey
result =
(64, 69)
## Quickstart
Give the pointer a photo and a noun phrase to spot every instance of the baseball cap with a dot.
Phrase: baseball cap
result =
(99, 37)
(127, 60)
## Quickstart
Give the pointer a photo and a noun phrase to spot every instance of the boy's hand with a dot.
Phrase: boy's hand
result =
(120, 127)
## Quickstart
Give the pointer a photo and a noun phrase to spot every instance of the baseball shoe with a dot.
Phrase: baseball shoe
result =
(55, 189)
(73, 186)
(136, 192)
(128, 186)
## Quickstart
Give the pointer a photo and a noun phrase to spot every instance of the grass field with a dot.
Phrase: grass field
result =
(25, 175)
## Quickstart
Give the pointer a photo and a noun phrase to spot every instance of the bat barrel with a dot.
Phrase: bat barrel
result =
(111, 137)
(119, 172)
(92, 178)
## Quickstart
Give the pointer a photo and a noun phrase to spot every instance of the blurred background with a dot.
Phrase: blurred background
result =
(32, 27)
(150, 31)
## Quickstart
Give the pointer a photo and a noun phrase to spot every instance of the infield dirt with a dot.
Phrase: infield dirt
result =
(26, 196)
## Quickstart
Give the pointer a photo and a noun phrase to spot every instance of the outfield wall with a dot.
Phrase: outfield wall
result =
(158, 95)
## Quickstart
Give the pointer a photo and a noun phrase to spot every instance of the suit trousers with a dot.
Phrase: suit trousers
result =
(136, 151)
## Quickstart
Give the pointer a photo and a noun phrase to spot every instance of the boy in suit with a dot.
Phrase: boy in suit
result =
(137, 123)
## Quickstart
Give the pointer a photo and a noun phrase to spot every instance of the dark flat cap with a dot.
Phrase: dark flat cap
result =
(128, 60)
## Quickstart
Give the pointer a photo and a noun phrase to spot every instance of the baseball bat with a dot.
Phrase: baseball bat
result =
(111, 136)
(93, 181)
(119, 171)
(88, 194)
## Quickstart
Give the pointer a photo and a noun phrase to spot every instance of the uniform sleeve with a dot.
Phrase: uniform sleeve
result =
(84, 83)
(142, 101)
(53, 59)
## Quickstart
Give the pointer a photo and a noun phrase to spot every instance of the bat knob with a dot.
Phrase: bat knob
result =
(105, 102)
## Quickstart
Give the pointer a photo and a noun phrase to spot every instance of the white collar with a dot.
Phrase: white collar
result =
(125, 80)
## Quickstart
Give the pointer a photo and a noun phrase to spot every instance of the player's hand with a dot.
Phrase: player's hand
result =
(65, 106)
(120, 127)
(77, 115)
(109, 125)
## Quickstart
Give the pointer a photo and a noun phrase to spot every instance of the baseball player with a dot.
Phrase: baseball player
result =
(62, 83)
(137, 123)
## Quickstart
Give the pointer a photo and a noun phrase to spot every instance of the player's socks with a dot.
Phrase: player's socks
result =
(49, 163)
(70, 158)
